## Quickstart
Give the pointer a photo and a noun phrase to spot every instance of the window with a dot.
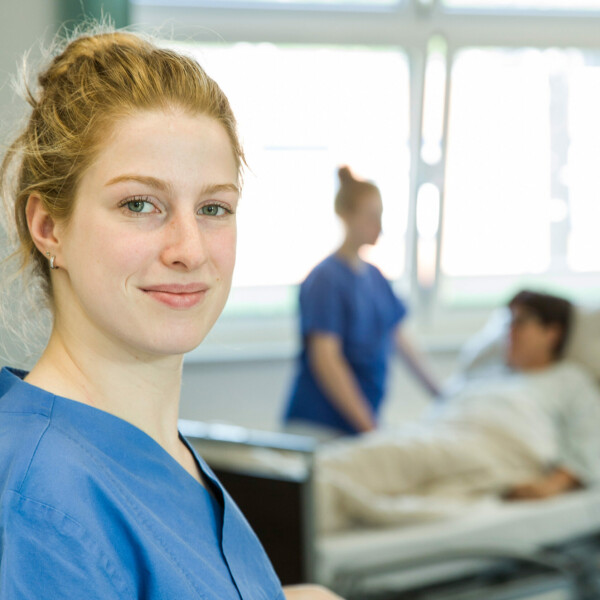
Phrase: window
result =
(571, 5)
(258, 4)
(522, 185)
(302, 112)
(323, 3)
(478, 124)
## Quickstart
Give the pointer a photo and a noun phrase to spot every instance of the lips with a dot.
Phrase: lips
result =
(175, 295)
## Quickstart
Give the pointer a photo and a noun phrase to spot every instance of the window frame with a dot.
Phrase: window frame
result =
(253, 5)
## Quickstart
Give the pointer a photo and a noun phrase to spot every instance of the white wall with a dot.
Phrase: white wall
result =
(252, 392)
(23, 26)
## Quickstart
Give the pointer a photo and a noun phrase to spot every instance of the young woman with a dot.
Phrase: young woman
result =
(350, 320)
(124, 186)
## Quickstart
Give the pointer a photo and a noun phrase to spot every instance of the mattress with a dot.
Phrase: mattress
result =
(406, 557)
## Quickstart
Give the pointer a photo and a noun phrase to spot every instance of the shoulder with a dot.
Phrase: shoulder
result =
(62, 461)
(377, 277)
(567, 368)
(39, 457)
(328, 275)
(54, 503)
(326, 269)
(25, 416)
(379, 282)
(49, 475)
(576, 380)
(375, 271)
(42, 478)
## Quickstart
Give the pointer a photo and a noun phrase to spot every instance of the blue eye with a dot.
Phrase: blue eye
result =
(213, 210)
(139, 206)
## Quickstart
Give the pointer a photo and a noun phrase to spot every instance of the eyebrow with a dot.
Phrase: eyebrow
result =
(163, 186)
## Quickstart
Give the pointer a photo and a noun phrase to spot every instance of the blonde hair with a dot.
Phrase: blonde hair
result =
(351, 191)
(95, 80)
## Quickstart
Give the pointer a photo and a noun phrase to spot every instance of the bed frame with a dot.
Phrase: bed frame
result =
(279, 506)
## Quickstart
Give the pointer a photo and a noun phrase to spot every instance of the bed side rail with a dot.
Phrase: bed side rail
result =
(269, 475)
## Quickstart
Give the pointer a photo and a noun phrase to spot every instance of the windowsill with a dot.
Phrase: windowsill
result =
(260, 339)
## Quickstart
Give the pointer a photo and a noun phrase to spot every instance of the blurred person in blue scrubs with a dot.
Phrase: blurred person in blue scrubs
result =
(350, 322)
(124, 183)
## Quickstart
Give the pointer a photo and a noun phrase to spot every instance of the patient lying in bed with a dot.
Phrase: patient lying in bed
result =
(530, 431)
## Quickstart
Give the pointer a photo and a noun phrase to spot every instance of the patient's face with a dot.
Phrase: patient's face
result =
(531, 343)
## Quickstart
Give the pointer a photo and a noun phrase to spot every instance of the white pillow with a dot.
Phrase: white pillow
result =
(486, 349)
(583, 345)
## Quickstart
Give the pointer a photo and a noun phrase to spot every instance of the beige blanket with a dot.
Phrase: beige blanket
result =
(417, 474)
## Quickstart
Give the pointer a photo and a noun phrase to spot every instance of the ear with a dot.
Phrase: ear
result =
(42, 226)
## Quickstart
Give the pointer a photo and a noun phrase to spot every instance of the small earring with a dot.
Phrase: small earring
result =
(51, 260)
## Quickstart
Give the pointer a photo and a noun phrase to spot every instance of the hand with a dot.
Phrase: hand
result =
(534, 490)
(309, 592)
(557, 481)
(367, 427)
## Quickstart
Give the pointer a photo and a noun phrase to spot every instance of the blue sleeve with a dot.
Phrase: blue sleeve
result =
(321, 305)
(45, 555)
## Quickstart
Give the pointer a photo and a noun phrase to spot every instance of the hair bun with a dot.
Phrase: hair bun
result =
(345, 175)
(96, 50)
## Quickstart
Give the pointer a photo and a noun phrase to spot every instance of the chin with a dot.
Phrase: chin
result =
(175, 339)
(173, 346)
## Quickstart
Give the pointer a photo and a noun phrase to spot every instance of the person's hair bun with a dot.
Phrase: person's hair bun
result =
(351, 190)
(345, 175)
(93, 52)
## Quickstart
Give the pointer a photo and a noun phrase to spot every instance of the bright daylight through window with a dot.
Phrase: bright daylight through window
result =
(309, 110)
(324, 3)
(481, 135)
(522, 182)
(526, 4)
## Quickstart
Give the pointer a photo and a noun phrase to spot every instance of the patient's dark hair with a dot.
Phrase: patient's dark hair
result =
(550, 310)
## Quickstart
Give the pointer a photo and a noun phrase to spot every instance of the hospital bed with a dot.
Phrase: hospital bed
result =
(543, 549)
(500, 551)
(559, 536)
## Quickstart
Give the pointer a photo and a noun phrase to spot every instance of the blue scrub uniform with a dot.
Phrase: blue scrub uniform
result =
(92, 507)
(360, 308)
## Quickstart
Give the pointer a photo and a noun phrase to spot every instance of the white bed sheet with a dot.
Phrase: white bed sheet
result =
(516, 528)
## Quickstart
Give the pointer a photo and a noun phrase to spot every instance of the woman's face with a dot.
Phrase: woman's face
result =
(363, 224)
(147, 258)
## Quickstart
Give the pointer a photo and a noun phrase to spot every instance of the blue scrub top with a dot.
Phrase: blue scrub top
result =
(360, 308)
(92, 507)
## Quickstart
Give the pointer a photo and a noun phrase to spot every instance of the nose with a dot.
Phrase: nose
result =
(184, 246)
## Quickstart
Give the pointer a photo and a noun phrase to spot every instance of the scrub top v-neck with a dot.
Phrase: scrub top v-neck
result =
(92, 507)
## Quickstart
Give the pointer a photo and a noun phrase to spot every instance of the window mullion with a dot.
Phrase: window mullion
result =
(441, 176)
(417, 58)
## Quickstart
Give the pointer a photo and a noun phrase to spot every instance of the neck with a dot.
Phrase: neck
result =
(141, 390)
(541, 364)
(348, 251)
